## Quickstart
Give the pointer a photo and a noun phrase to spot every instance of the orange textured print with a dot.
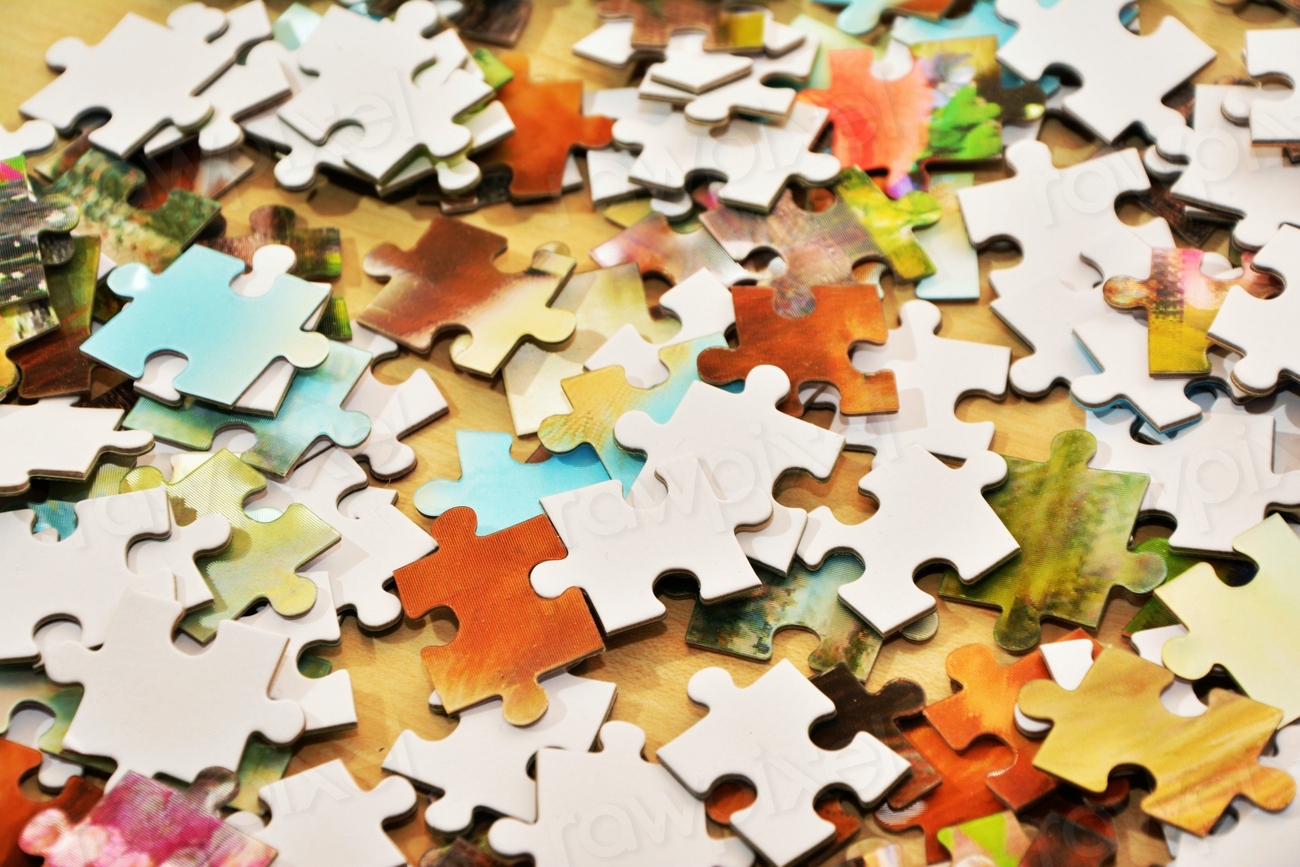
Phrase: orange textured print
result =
(508, 636)
(810, 349)
(16, 762)
(548, 124)
(985, 706)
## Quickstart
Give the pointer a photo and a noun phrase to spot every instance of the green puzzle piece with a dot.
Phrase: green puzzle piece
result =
(1073, 524)
(890, 223)
(312, 410)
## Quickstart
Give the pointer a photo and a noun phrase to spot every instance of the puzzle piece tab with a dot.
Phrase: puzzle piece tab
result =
(55, 439)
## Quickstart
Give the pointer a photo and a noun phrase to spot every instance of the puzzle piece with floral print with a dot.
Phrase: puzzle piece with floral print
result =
(1181, 302)
(1115, 719)
(447, 281)
(1073, 524)
(262, 559)
(479, 578)
(810, 349)
(17, 762)
(52, 365)
(658, 249)
(984, 707)
(23, 219)
(318, 252)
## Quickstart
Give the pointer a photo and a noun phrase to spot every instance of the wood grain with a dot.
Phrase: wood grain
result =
(651, 665)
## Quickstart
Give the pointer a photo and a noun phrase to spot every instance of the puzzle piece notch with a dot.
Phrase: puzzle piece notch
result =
(16, 763)
(53, 365)
(55, 439)
(32, 137)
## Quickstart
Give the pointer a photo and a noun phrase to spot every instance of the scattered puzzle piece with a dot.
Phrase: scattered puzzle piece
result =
(996, 840)
(1073, 525)
(1115, 718)
(23, 220)
(653, 24)
(657, 248)
(890, 223)
(20, 323)
(318, 251)
(1154, 614)
(53, 365)
(55, 439)
(1272, 121)
(32, 137)
(490, 656)
(1064, 842)
(17, 762)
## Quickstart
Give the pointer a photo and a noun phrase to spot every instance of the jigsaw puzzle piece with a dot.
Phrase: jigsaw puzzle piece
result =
(16, 809)
(956, 265)
(31, 138)
(52, 365)
(491, 657)
(997, 840)
(24, 219)
(1256, 327)
(656, 248)
(317, 252)
(652, 25)
(55, 439)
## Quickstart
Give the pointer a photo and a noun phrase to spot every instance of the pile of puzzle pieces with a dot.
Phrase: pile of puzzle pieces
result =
(195, 446)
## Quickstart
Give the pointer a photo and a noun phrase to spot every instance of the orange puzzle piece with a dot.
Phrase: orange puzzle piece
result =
(508, 636)
(16, 762)
(811, 349)
(549, 123)
(985, 707)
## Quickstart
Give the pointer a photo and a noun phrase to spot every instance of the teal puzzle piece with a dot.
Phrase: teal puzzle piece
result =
(190, 309)
(312, 410)
(501, 490)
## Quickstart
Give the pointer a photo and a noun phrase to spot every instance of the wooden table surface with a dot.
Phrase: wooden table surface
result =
(650, 665)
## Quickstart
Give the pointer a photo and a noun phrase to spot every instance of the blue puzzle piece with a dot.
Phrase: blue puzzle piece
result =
(190, 309)
(502, 491)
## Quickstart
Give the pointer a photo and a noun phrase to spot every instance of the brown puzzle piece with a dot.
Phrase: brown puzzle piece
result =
(1115, 720)
(811, 349)
(549, 123)
(657, 248)
(655, 20)
(16, 762)
(985, 707)
(319, 251)
(447, 282)
(52, 365)
(508, 635)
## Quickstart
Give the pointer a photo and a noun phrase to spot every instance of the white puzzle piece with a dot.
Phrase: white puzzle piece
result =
(55, 439)
(760, 734)
(1179, 697)
(956, 274)
(246, 25)
(687, 66)
(156, 710)
(700, 302)
(1117, 344)
(320, 817)
(326, 702)
(32, 137)
(608, 168)
(617, 551)
(176, 554)
(614, 807)
(144, 74)
(483, 764)
(1125, 76)
(929, 513)
(744, 444)
(27, 726)
(1215, 478)
(81, 578)
(1264, 330)
(1271, 53)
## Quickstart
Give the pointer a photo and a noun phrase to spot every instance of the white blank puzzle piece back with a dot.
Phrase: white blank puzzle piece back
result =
(1117, 343)
(1125, 76)
(760, 733)
(608, 168)
(177, 553)
(144, 74)
(618, 551)
(609, 807)
(55, 439)
(483, 764)
(155, 709)
(321, 818)
(1270, 53)
(32, 137)
(82, 577)
(700, 302)
(744, 444)
(1215, 478)
(1179, 697)
(928, 513)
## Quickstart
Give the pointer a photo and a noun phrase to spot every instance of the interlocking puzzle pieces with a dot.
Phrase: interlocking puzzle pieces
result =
(1127, 86)
(657, 248)
(549, 124)
(448, 281)
(1073, 525)
(483, 764)
(760, 733)
(1256, 327)
(933, 374)
(744, 443)
(142, 707)
(490, 656)
(673, 149)
(312, 412)
(55, 439)
(575, 789)
(1241, 628)
(600, 397)
(617, 550)
(844, 314)
(23, 220)
(928, 513)
(1215, 478)
(150, 822)
(1181, 302)
(1115, 718)
(196, 288)
(102, 188)
(502, 491)
(890, 222)
(318, 252)
(53, 365)
(140, 96)
(321, 816)
(263, 558)
(646, 28)
(16, 763)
